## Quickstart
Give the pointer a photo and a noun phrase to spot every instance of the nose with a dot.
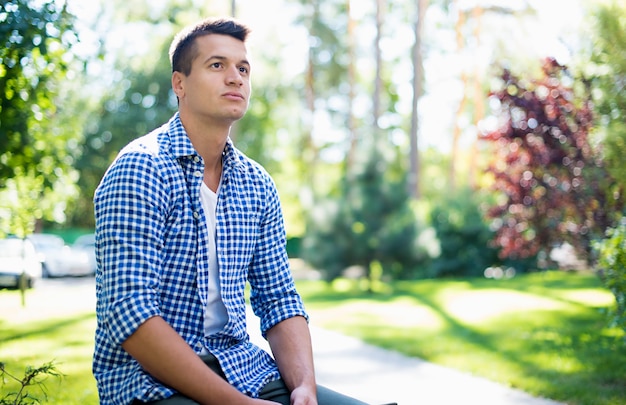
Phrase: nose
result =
(234, 77)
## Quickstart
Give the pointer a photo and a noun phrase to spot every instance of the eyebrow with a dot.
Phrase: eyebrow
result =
(224, 58)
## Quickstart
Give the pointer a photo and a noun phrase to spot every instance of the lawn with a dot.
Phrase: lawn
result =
(543, 333)
(56, 325)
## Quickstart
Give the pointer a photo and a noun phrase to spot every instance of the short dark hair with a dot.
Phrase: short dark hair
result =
(183, 49)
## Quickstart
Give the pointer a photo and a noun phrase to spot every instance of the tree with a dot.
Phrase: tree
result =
(134, 96)
(464, 235)
(328, 67)
(418, 92)
(470, 43)
(612, 269)
(370, 224)
(38, 134)
(552, 184)
(139, 104)
(607, 71)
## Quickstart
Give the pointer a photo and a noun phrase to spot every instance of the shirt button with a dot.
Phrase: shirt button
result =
(196, 159)
(197, 173)
(196, 215)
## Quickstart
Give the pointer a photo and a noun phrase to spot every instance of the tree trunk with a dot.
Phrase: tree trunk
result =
(308, 150)
(351, 89)
(418, 91)
(456, 132)
(479, 100)
(380, 4)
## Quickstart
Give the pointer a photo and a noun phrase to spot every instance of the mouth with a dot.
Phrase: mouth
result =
(233, 96)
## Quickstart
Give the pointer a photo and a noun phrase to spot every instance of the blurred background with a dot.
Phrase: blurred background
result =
(408, 139)
(451, 173)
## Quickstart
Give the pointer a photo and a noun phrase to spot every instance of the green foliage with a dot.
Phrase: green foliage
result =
(369, 224)
(33, 377)
(434, 166)
(257, 133)
(606, 73)
(463, 235)
(38, 137)
(31, 38)
(139, 103)
(551, 182)
(612, 268)
(327, 48)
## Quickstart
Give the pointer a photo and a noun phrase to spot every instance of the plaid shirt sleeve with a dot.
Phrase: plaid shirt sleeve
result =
(128, 237)
(273, 293)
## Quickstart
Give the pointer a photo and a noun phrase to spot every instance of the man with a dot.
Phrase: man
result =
(183, 221)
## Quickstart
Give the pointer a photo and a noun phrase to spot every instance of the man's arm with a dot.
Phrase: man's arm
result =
(168, 358)
(290, 341)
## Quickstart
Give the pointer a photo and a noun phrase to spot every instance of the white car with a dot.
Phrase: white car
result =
(17, 257)
(87, 245)
(59, 259)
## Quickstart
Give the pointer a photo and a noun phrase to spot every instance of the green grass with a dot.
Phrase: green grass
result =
(544, 333)
(58, 328)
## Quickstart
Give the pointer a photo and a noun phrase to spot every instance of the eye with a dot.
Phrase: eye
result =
(243, 69)
(216, 65)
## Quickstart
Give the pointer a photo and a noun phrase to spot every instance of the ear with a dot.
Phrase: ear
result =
(178, 80)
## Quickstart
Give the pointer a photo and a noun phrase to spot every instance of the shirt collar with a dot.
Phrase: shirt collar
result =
(181, 144)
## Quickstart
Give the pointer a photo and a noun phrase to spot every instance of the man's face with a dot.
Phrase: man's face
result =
(218, 86)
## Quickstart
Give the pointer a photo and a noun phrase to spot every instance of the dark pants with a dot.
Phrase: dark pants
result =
(274, 391)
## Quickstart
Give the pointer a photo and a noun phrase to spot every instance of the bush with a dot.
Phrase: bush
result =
(464, 236)
(612, 269)
(369, 224)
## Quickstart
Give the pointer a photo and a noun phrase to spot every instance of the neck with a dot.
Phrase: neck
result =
(209, 140)
(213, 174)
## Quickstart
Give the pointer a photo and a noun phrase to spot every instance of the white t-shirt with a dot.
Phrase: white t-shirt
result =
(215, 315)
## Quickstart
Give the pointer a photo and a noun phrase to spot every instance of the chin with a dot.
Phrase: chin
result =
(238, 114)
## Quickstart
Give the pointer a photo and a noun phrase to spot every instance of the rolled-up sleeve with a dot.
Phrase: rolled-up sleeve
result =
(273, 293)
(128, 211)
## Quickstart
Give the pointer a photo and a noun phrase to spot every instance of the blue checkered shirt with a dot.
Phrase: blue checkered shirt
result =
(151, 249)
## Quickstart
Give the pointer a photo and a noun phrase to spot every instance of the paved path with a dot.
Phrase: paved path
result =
(379, 376)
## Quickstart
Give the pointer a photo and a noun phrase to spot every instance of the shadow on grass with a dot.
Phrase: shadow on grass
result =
(562, 351)
(40, 328)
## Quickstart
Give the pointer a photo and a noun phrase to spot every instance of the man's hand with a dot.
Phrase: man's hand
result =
(291, 344)
(303, 396)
